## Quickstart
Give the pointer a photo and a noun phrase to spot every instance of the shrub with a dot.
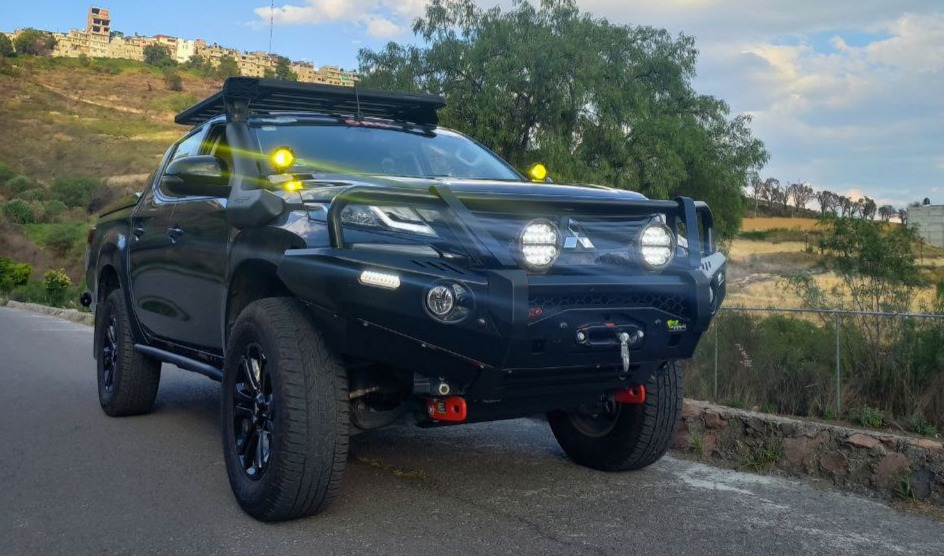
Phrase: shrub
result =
(75, 191)
(6, 174)
(172, 80)
(13, 274)
(38, 210)
(61, 238)
(56, 285)
(869, 417)
(35, 194)
(19, 184)
(922, 427)
(18, 211)
(30, 292)
(55, 208)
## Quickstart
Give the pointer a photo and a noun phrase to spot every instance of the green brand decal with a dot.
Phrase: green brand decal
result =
(676, 326)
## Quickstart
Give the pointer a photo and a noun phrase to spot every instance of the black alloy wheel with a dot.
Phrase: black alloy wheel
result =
(109, 353)
(254, 412)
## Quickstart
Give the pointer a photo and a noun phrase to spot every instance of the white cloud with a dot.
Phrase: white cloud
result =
(845, 93)
(379, 18)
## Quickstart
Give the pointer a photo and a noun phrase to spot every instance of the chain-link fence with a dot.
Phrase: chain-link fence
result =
(830, 364)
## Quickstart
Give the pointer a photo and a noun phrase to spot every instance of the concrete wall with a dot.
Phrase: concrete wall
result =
(929, 220)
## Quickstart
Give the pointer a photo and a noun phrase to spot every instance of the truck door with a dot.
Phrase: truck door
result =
(154, 281)
(201, 255)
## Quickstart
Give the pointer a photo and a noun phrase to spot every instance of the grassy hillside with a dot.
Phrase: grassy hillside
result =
(67, 118)
(106, 118)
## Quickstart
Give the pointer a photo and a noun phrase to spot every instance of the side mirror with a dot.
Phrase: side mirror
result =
(201, 176)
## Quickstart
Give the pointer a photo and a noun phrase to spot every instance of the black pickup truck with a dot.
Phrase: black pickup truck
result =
(341, 263)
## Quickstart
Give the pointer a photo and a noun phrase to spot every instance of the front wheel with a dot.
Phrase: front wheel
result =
(622, 437)
(284, 413)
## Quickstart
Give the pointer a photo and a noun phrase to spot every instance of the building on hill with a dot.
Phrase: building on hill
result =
(929, 221)
(98, 40)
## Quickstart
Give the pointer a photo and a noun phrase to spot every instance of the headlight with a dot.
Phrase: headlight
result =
(449, 302)
(539, 243)
(403, 219)
(656, 246)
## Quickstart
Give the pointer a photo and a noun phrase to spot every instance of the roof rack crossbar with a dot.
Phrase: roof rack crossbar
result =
(242, 96)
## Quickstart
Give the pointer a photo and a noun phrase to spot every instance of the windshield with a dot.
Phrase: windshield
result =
(378, 148)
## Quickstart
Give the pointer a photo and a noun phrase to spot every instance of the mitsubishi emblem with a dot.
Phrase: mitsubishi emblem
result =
(576, 236)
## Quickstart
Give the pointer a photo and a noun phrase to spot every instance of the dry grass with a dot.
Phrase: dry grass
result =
(778, 223)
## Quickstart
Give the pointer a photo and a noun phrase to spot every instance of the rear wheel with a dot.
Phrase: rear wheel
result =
(285, 413)
(127, 380)
(622, 437)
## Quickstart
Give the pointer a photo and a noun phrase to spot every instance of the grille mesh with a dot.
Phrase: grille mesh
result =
(674, 304)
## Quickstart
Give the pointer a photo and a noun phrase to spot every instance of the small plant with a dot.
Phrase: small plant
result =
(56, 284)
(735, 404)
(697, 444)
(922, 427)
(869, 417)
(768, 408)
(904, 490)
(762, 457)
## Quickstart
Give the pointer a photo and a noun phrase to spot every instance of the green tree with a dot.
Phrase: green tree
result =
(597, 102)
(34, 43)
(158, 55)
(227, 67)
(199, 65)
(56, 284)
(283, 70)
(6, 47)
(18, 211)
(13, 274)
(75, 191)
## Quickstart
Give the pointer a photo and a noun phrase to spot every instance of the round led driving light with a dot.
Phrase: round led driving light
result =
(656, 245)
(540, 244)
(440, 300)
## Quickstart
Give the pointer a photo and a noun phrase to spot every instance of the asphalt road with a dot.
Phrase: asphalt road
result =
(73, 481)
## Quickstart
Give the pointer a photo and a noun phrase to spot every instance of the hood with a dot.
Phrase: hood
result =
(464, 187)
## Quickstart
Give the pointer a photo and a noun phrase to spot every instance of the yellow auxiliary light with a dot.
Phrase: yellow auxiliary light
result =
(538, 173)
(293, 185)
(282, 159)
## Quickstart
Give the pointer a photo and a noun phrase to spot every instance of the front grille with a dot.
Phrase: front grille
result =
(674, 304)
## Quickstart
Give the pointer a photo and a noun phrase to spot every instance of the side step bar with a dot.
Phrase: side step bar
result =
(181, 361)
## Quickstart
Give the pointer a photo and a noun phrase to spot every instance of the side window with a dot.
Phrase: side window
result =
(189, 146)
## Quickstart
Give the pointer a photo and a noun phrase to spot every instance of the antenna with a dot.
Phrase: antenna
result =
(271, 23)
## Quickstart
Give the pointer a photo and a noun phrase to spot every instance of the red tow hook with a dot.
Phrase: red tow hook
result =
(452, 409)
(633, 395)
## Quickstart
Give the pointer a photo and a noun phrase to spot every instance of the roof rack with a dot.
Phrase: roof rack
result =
(241, 96)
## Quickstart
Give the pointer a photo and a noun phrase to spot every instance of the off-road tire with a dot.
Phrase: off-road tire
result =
(641, 433)
(309, 418)
(135, 377)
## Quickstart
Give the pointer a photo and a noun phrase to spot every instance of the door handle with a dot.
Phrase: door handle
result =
(175, 233)
(138, 231)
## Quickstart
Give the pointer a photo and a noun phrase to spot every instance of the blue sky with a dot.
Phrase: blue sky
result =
(848, 95)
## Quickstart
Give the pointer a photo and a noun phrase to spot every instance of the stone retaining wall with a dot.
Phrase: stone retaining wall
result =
(892, 466)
